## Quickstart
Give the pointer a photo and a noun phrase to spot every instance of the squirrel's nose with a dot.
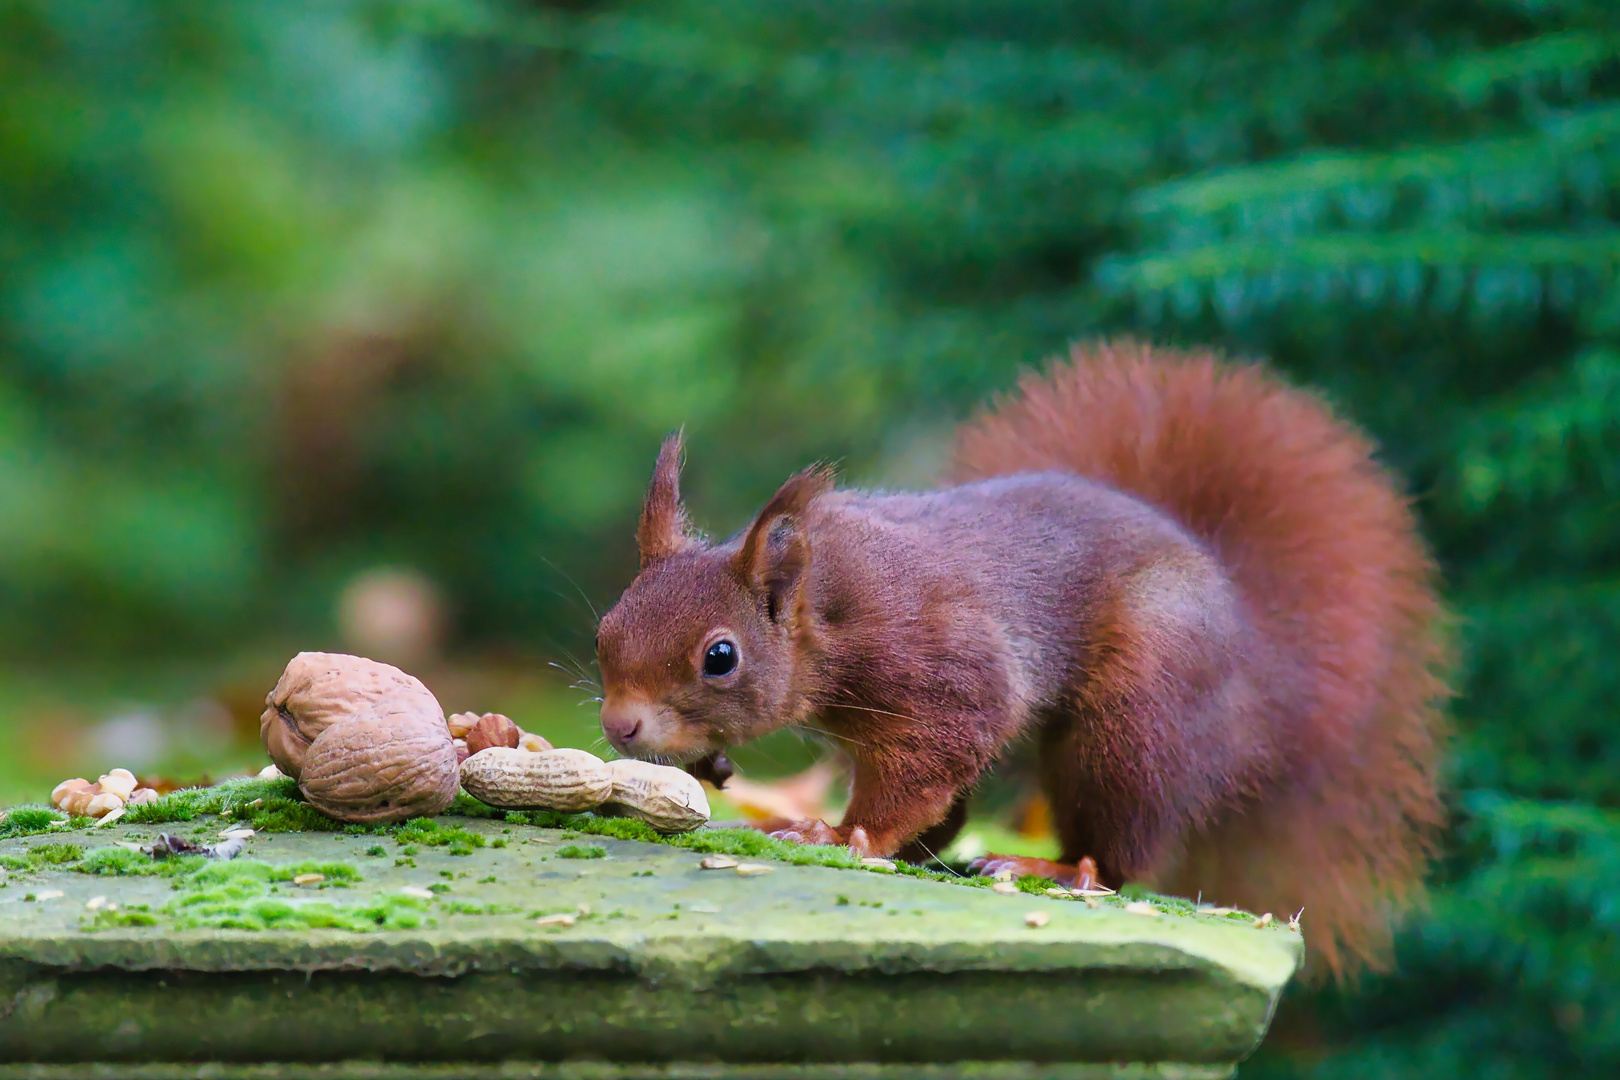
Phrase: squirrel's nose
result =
(621, 721)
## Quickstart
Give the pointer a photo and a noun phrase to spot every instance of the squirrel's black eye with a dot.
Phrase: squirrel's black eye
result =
(721, 659)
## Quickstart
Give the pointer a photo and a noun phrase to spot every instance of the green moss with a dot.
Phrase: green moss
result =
(240, 895)
(1037, 886)
(376, 850)
(122, 862)
(435, 834)
(240, 908)
(464, 805)
(43, 855)
(238, 870)
(105, 919)
(268, 805)
(581, 851)
(55, 854)
(29, 820)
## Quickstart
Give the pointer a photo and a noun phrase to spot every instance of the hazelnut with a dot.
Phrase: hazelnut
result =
(492, 729)
(460, 723)
(68, 787)
(320, 689)
(462, 753)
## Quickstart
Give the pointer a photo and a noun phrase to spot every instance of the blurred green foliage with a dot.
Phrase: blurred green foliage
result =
(289, 291)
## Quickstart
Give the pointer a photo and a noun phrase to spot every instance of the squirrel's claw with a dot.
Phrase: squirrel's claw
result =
(819, 832)
(1080, 876)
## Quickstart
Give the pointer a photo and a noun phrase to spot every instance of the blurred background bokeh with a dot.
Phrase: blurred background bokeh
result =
(355, 325)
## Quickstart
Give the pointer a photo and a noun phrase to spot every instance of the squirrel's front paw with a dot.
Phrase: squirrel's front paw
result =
(819, 832)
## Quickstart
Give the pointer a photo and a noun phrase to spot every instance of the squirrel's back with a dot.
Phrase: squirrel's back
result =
(1324, 552)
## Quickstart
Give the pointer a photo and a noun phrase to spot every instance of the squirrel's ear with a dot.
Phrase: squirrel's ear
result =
(662, 531)
(776, 553)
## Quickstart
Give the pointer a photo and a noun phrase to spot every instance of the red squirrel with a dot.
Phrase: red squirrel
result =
(1189, 583)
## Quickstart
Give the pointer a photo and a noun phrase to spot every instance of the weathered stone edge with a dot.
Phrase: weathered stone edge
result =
(1266, 965)
(597, 1070)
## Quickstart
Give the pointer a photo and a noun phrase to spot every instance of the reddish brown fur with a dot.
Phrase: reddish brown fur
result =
(1323, 548)
(1231, 669)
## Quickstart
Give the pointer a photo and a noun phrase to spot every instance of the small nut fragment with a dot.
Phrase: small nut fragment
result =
(718, 862)
(560, 919)
(417, 891)
(1002, 875)
(1264, 920)
(1037, 919)
(1142, 907)
(309, 879)
(878, 864)
(461, 723)
(1059, 894)
(751, 869)
(670, 800)
(95, 903)
(562, 779)
(141, 796)
(103, 804)
(492, 729)
(533, 743)
(1005, 888)
(69, 787)
(111, 816)
(120, 782)
(270, 772)
(47, 894)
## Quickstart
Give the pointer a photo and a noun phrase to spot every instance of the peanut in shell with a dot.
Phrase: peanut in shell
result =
(562, 779)
(670, 800)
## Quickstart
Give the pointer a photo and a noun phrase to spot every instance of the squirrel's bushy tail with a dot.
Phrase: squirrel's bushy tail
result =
(1325, 553)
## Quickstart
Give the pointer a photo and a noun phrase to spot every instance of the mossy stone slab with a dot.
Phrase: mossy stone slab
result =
(668, 969)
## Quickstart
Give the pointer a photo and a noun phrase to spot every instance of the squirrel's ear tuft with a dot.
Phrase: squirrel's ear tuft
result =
(662, 531)
(776, 553)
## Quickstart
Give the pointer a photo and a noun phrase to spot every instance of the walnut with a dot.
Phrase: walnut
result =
(376, 768)
(365, 741)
